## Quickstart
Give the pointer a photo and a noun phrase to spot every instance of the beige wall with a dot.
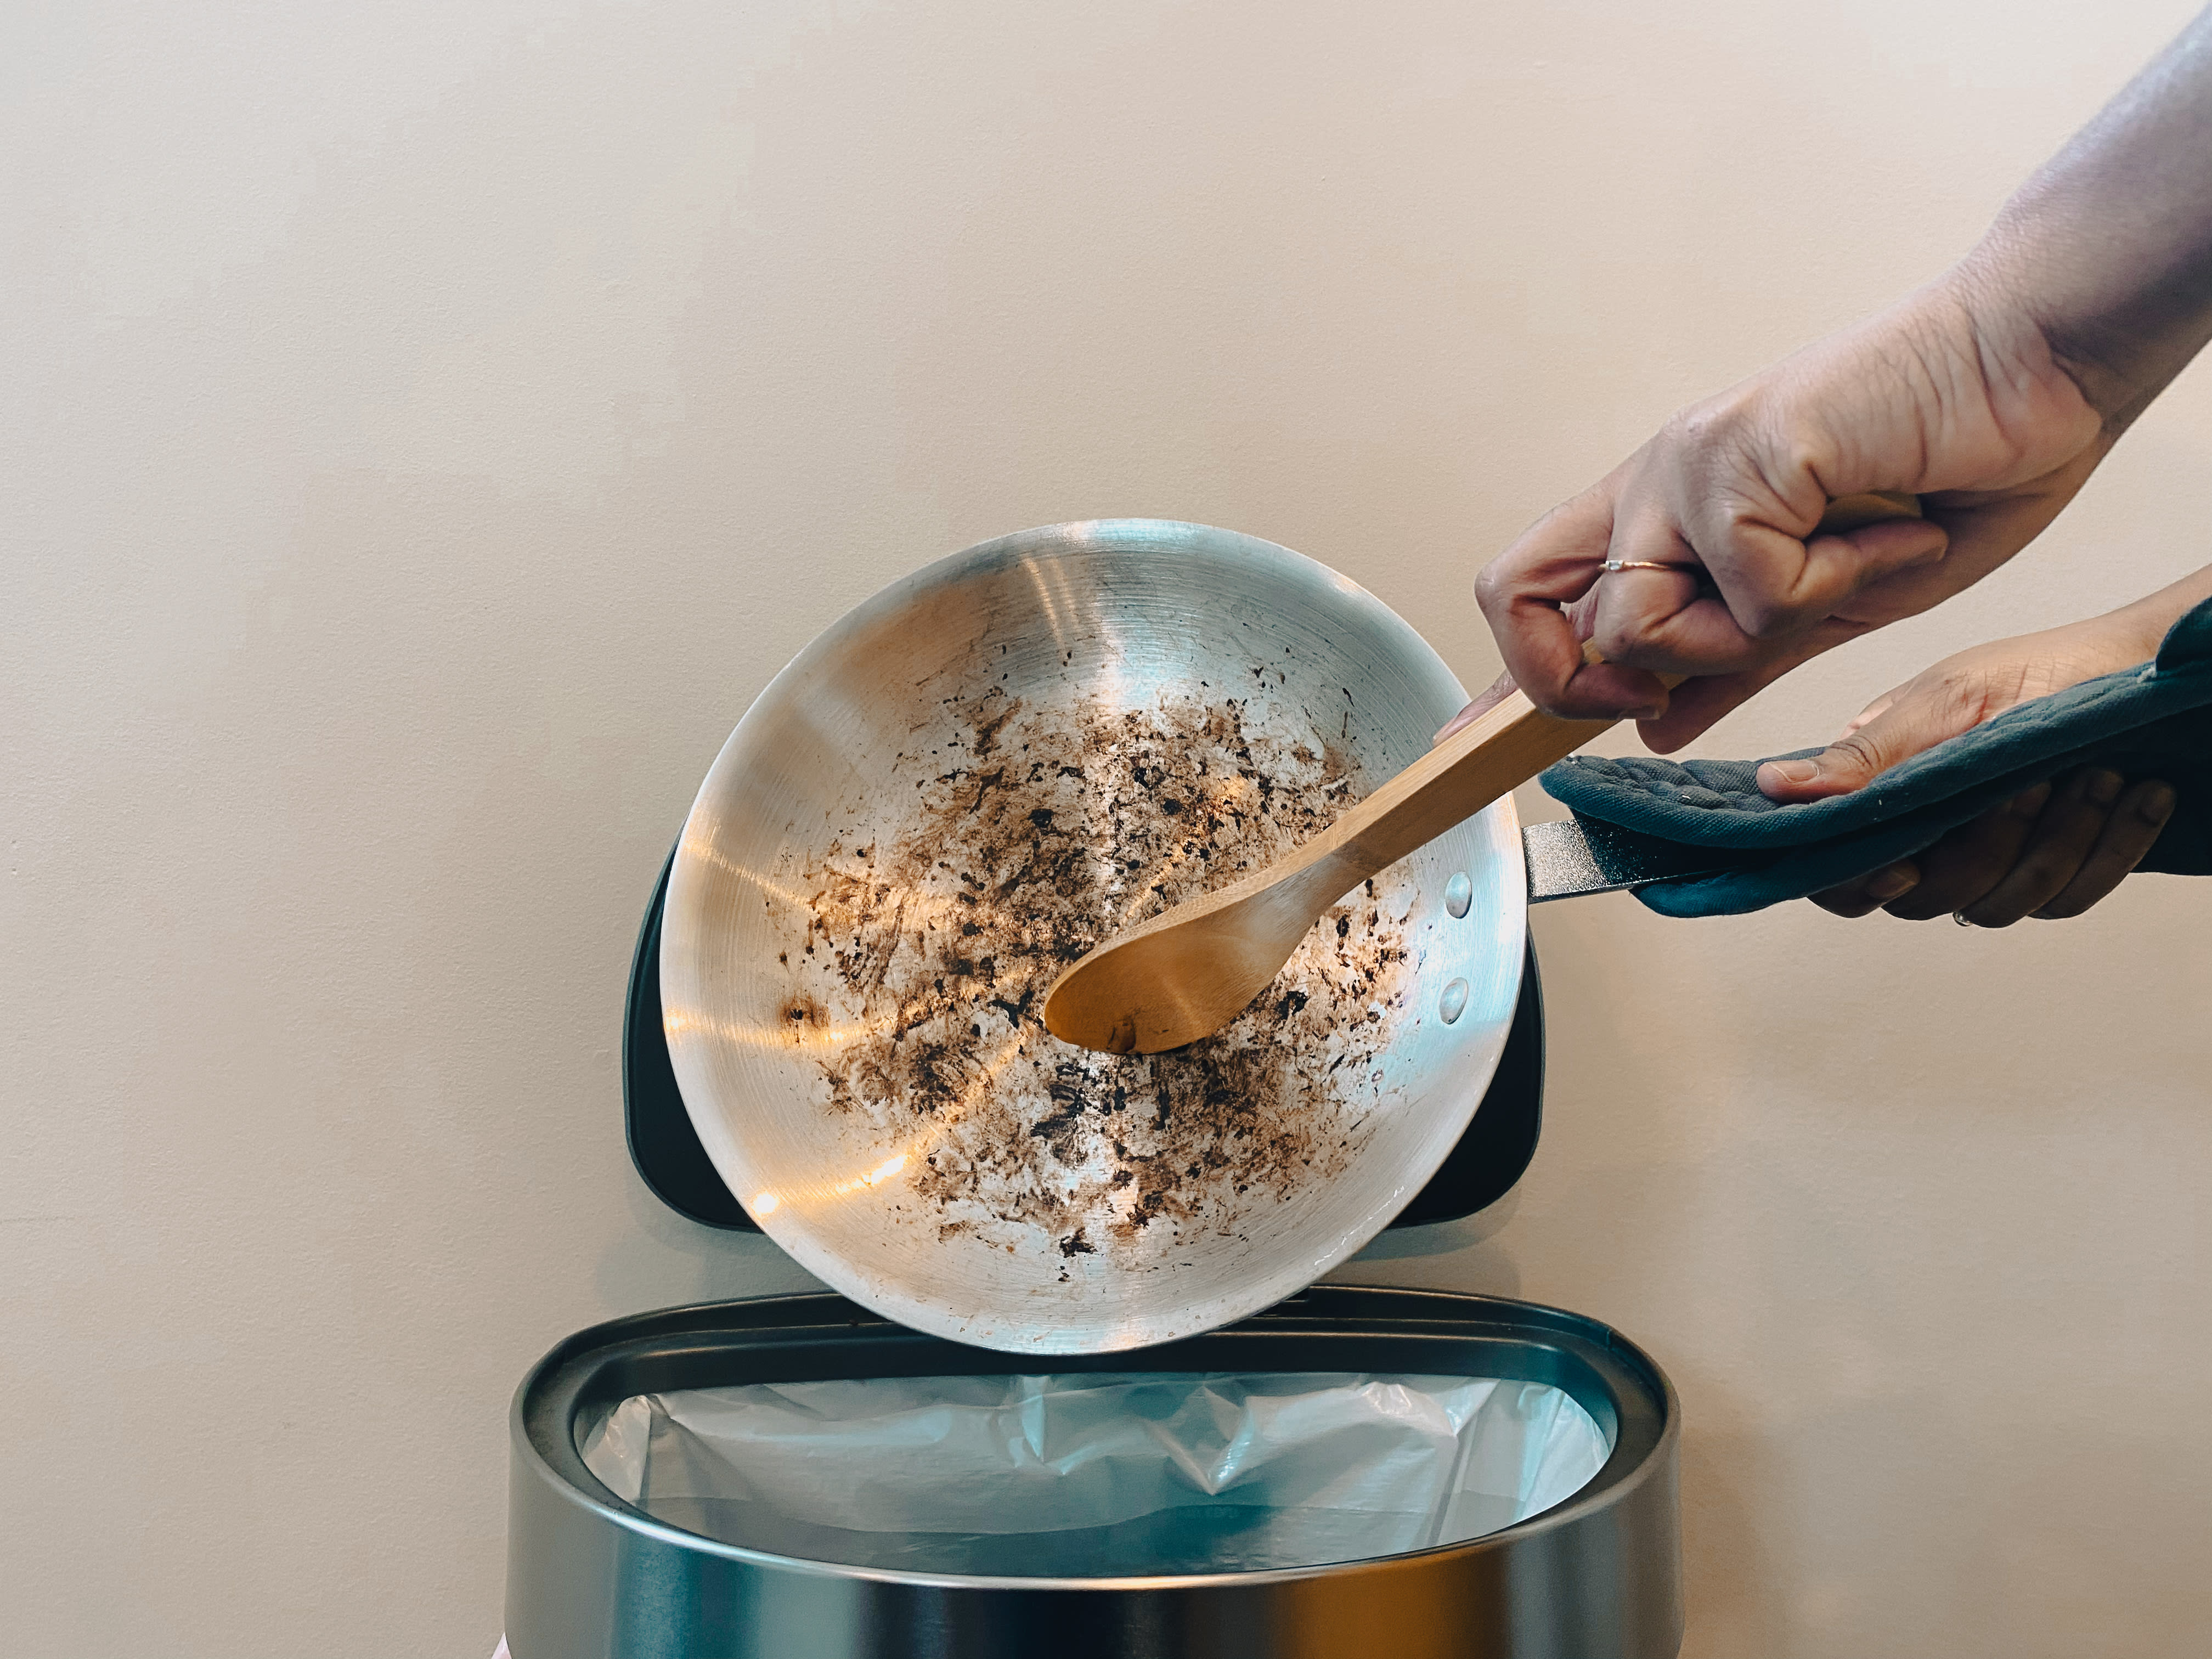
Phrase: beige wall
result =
(425, 425)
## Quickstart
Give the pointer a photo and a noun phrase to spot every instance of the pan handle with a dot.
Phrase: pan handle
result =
(1575, 856)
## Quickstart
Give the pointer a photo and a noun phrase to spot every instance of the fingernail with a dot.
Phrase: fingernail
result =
(2029, 802)
(1893, 882)
(1796, 771)
(2157, 804)
(1649, 711)
(2101, 787)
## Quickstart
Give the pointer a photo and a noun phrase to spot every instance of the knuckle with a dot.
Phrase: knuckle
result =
(1697, 429)
(1807, 452)
(1632, 643)
(1766, 620)
(1858, 751)
(1618, 639)
(1772, 615)
(1492, 587)
(1712, 426)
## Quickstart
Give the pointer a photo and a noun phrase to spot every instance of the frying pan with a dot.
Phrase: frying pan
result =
(962, 784)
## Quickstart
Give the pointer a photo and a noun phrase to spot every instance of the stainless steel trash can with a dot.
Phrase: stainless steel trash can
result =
(1596, 1577)
(591, 1576)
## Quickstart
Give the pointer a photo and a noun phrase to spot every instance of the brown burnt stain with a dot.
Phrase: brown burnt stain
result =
(1037, 834)
(801, 1013)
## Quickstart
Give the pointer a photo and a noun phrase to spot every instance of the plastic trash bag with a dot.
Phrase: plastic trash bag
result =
(1100, 1474)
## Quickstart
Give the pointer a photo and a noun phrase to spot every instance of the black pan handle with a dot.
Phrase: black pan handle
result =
(673, 1163)
(1575, 856)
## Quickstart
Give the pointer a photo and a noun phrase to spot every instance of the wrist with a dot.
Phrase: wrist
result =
(2144, 624)
(2118, 341)
(2119, 639)
(2020, 350)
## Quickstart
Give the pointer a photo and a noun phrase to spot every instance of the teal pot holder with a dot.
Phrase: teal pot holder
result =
(2150, 722)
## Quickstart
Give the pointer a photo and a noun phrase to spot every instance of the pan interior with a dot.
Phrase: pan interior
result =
(961, 787)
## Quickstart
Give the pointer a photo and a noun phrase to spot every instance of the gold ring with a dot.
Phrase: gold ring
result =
(1611, 565)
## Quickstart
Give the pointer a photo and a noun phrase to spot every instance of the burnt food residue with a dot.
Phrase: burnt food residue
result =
(1034, 834)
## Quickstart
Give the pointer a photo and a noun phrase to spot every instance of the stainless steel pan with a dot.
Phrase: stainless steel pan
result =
(959, 787)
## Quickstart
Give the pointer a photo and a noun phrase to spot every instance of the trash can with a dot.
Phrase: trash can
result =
(1355, 1472)
(1206, 1500)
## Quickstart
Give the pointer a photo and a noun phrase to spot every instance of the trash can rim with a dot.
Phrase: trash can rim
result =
(1640, 1419)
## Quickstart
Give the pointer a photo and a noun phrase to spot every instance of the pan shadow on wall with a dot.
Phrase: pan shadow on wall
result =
(664, 1258)
(1459, 1255)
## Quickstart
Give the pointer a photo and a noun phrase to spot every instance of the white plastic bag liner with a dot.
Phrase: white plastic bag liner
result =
(1098, 1476)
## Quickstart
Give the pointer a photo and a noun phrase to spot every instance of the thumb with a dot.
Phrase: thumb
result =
(1499, 688)
(1900, 726)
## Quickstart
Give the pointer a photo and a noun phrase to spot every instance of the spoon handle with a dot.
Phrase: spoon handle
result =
(1491, 756)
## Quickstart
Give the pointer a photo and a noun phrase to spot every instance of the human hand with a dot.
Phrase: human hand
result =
(2051, 851)
(1952, 395)
(1991, 395)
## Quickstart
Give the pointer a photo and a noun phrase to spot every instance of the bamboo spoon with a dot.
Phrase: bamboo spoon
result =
(1194, 968)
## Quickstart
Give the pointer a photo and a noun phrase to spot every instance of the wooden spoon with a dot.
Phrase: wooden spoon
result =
(1194, 968)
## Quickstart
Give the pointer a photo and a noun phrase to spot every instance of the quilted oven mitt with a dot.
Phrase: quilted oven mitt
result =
(2151, 721)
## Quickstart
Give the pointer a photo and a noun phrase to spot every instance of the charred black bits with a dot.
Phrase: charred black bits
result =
(1109, 815)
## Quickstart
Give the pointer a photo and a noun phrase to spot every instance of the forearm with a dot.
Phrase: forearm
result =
(2107, 251)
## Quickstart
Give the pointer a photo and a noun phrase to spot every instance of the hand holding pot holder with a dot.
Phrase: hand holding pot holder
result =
(2150, 722)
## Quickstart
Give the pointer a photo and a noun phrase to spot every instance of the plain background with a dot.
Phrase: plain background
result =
(425, 425)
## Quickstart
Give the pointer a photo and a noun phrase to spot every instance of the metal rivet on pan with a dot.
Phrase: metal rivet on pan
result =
(1453, 1002)
(1459, 893)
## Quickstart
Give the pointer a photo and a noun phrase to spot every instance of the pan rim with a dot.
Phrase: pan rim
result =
(683, 946)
